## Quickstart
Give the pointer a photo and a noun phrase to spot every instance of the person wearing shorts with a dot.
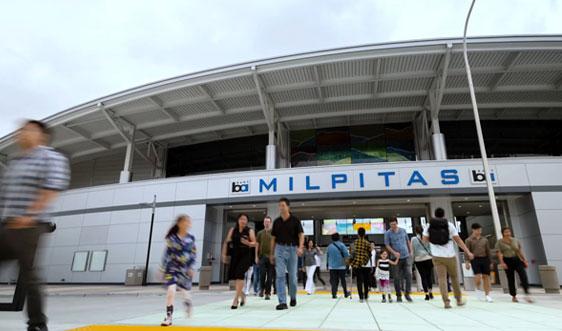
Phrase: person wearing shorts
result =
(481, 262)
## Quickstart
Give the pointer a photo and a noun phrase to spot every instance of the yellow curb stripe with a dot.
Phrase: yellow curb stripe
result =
(186, 328)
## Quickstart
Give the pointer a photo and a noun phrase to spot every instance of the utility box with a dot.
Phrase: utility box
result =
(133, 277)
(205, 274)
(549, 279)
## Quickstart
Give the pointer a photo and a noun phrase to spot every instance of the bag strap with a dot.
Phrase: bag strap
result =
(339, 249)
(425, 248)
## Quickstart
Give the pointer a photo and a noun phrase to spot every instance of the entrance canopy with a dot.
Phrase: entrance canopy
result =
(515, 78)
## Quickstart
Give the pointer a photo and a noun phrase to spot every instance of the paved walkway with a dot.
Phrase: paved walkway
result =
(84, 308)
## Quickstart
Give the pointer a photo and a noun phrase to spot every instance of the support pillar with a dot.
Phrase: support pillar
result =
(271, 152)
(438, 141)
(125, 175)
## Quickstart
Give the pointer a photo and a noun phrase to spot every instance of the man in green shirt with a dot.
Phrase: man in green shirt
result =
(267, 270)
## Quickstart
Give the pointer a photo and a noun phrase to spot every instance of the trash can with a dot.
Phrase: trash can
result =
(549, 279)
(133, 277)
(205, 274)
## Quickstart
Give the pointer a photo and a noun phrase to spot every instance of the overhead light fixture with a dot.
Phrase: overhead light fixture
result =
(467, 212)
(460, 206)
(254, 206)
(479, 206)
(408, 200)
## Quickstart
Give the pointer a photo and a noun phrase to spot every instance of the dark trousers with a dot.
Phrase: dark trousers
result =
(337, 276)
(425, 268)
(318, 277)
(402, 272)
(20, 245)
(267, 274)
(363, 276)
(514, 264)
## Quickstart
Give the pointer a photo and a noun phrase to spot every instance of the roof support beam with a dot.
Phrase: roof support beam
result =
(558, 83)
(82, 133)
(160, 104)
(437, 88)
(205, 90)
(318, 80)
(508, 65)
(116, 125)
(376, 77)
(265, 102)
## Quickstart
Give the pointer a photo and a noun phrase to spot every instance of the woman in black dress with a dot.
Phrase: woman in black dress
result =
(241, 240)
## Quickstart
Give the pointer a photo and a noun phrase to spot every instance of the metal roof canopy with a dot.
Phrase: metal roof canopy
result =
(516, 77)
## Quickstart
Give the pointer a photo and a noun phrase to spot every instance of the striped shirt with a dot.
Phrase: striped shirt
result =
(27, 174)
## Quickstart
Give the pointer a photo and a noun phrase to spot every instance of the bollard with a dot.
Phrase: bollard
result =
(549, 279)
(205, 274)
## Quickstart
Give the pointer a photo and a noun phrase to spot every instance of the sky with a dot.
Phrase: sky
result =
(58, 54)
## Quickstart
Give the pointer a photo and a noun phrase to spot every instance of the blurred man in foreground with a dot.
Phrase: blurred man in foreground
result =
(30, 183)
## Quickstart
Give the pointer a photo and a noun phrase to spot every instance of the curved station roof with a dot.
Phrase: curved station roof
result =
(516, 77)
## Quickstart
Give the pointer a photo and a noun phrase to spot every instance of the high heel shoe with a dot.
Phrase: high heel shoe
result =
(243, 301)
(233, 307)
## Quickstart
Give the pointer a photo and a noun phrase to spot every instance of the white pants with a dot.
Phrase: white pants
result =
(309, 288)
(248, 280)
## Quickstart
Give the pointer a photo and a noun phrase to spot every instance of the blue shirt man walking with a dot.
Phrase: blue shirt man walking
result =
(398, 244)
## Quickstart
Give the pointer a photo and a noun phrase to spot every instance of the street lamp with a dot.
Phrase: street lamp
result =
(145, 271)
(491, 194)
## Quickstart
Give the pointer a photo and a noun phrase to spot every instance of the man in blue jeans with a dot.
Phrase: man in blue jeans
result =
(287, 242)
(398, 243)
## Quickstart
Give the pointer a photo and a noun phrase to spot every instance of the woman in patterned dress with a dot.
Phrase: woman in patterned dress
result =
(177, 265)
(241, 239)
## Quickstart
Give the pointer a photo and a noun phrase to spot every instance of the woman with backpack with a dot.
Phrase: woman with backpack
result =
(423, 262)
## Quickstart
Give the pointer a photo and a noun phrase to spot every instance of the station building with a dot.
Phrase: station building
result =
(352, 136)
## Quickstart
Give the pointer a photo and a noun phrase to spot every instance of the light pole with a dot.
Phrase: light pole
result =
(491, 194)
(145, 271)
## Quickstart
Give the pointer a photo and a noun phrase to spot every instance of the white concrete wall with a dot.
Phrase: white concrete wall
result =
(528, 231)
(548, 207)
(214, 228)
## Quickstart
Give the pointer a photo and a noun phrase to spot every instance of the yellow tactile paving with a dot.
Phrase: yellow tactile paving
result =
(176, 328)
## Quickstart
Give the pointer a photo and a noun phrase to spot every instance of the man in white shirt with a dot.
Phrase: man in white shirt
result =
(441, 233)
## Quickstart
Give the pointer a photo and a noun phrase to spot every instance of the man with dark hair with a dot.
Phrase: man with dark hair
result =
(31, 182)
(441, 233)
(267, 270)
(337, 254)
(361, 263)
(287, 243)
(481, 262)
(398, 243)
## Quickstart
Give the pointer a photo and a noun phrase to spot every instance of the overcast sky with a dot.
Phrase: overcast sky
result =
(57, 54)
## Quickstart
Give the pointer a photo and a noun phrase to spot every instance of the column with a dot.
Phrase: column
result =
(125, 175)
(271, 152)
(438, 141)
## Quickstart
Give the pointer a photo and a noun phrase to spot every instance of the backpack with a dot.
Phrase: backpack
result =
(438, 231)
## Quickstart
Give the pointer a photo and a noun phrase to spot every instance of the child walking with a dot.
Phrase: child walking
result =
(177, 265)
(383, 274)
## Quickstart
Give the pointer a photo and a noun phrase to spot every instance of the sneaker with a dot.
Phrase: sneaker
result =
(514, 299)
(529, 299)
(448, 305)
(188, 308)
(347, 294)
(431, 295)
(427, 297)
(460, 303)
(281, 306)
(383, 299)
(167, 321)
(261, 294)
(389, 298)
(408, 298)
(267, 297)
(489, 299)
(399, 299)
(293, 302)
(361, 301)
(334, 296)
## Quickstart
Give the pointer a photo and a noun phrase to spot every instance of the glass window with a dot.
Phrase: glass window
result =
(80, 261)
(97, 262)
